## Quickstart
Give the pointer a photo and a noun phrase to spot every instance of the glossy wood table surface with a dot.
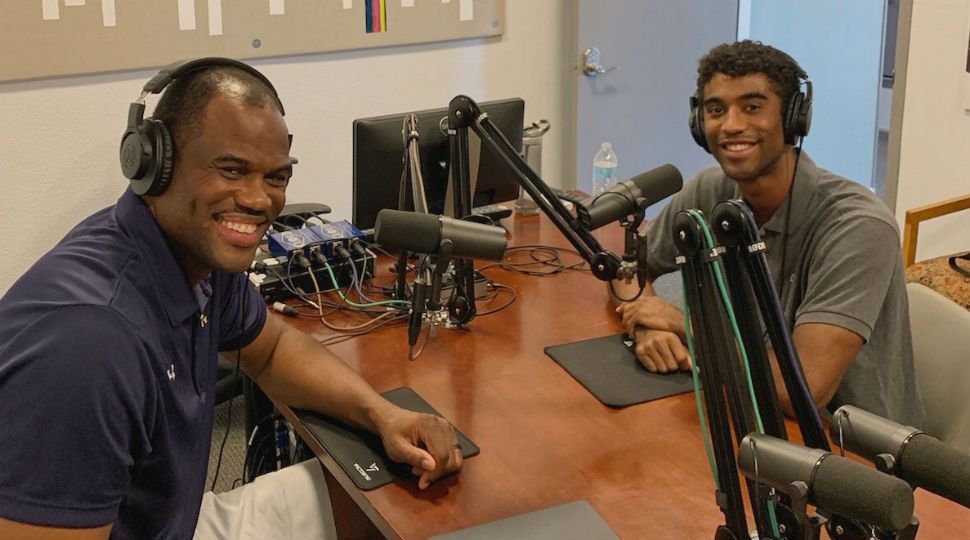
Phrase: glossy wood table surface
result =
(544, 439)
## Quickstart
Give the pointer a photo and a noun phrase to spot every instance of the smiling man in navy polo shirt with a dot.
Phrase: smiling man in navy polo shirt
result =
(109, 342)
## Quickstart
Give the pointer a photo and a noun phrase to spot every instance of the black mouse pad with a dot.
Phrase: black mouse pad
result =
(361, 454)
(609, 369)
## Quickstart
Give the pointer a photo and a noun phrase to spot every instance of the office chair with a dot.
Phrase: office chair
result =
(941, 354)
(942, 274)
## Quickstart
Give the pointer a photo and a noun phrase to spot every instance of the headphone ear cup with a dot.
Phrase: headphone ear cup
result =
(152, 144)
(696, 123)
(165, 158)
(805, 116)
(792, 116)
(135, 161)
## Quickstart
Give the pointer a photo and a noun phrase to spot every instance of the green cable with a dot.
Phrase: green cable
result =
(730, 312)
(772, 518)
(697, 393)
(699, 218)
(340, 293)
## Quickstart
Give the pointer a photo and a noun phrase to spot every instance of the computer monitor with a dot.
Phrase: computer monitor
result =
(378, 163)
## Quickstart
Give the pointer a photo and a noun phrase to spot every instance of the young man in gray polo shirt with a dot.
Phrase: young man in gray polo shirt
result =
(833, 246)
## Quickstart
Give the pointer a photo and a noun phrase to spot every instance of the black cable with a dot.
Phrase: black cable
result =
(500, 288)
(298, 292)
(289, 286)
(258, 454)
(784, 241)
(251, 449)
(620, 298)
(235, 379)
(289, 276)
(225, 435)
(551, 258)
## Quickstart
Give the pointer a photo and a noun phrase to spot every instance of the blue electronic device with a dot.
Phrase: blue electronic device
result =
(338, 231)
(325, 236)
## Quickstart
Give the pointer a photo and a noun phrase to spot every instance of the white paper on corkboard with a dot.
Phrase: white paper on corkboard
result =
(44, 38)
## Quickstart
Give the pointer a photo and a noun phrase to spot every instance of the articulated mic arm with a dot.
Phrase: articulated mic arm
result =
(464, 113)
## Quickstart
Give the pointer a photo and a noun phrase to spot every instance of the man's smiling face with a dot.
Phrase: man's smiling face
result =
(228, 186)
(742, 123)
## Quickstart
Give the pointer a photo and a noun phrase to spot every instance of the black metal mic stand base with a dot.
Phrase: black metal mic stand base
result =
(723, 533)
(840, 528)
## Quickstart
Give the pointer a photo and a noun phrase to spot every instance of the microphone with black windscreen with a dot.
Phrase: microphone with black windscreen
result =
(834, 483)
(439, 235)
(904, 451)
(630, 196)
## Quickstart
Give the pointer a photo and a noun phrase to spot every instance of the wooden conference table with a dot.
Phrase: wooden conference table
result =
(545, 440)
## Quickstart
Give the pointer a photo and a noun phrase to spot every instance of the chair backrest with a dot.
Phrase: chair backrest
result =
(941, 347)
(923, 213)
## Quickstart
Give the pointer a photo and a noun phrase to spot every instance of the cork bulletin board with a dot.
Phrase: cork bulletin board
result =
(50, 38)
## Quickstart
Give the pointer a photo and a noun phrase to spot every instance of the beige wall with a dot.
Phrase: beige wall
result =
(60, 137)
(934, 156)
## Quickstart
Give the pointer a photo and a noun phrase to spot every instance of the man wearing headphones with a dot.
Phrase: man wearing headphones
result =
(108, 347)
(833, 246)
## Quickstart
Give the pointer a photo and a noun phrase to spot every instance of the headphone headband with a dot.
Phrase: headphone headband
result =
(147, 150)
(183, 67)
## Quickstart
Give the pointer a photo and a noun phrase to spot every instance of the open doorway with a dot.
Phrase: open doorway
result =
(885, 96)
(843, 48)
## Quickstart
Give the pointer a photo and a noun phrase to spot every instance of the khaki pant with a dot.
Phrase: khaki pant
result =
(289, 504)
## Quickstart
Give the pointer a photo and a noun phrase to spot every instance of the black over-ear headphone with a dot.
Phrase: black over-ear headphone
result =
(147, 151)
(796, 118)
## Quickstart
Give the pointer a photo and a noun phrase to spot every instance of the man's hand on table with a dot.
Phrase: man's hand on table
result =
(660, 351)
(658, 329)
(653, 313)
(428, 443)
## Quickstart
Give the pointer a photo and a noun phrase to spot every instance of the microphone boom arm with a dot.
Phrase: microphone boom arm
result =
(464, 113)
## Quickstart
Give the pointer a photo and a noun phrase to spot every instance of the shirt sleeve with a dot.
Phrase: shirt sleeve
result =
(850, 275)
(702, 192)
(78, 407)
(243, 312)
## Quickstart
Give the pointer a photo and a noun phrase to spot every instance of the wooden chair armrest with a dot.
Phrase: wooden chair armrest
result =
(923, 213)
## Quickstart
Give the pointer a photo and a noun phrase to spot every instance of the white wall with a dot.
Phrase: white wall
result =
(58, 157)
(934, 158)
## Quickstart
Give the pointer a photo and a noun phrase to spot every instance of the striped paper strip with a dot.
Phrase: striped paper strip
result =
(375, 16)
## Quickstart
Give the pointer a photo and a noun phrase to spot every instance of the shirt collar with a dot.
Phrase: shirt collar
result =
(800, 195)
(179, 300)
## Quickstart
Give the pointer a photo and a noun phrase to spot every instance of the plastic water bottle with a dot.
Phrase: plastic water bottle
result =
(604, 169)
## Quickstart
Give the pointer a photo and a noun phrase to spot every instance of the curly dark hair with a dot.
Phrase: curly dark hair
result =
(748, 57)
(184, 100)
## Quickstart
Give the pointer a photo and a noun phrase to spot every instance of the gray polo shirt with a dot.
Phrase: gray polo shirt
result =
(844, 268)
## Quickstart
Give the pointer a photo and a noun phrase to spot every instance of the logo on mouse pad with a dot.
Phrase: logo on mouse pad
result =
(362, 472)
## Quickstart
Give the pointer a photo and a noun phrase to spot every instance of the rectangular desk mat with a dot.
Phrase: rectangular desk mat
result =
(361, 454)
(609, 369)
(571, 520)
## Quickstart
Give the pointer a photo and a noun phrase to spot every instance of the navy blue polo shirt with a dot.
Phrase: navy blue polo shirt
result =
(107, 377)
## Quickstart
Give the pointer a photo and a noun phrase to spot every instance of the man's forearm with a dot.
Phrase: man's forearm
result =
(825, 353)
(304, 374)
